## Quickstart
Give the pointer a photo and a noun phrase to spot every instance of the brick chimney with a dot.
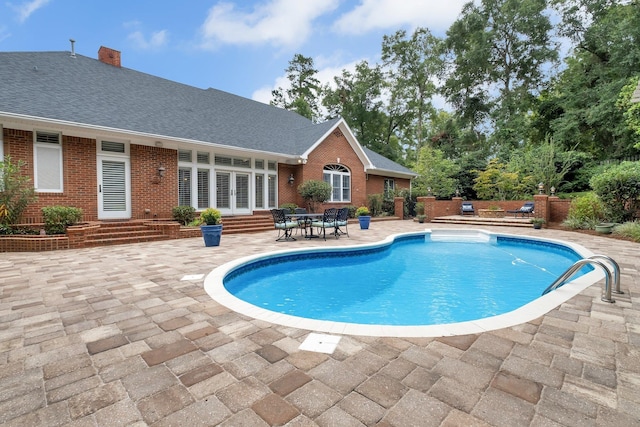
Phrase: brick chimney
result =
(109, 56)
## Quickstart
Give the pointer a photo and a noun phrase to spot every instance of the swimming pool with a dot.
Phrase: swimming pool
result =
(373, 303)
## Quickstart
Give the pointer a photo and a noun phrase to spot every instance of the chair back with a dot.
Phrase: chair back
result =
(467, 206)
(301, 211)
(528, 207)
(329, 215)
(343, 214)
(279, 216)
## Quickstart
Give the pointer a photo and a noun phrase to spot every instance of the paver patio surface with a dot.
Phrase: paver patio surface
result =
(114, 336)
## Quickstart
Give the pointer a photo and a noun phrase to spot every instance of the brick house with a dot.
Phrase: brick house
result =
(122, 144)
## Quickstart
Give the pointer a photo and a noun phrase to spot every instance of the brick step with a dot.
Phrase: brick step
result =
(124, 240)
(112, 234)
(121, 229)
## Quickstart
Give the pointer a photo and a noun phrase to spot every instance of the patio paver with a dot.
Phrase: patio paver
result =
(115, 336)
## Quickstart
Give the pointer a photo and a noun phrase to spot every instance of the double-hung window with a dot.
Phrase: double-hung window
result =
(339, 178)
(47, 162)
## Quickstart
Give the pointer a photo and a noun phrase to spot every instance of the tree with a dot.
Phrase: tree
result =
(606, 36)
(314, 192)
(437, 174)
(303, 96)
(497, 182)
(499, 51)
(546, 163)
(630, 110)
(414, 65)
(357, 98)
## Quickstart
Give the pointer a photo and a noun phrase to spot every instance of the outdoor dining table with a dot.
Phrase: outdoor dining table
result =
(308, 219)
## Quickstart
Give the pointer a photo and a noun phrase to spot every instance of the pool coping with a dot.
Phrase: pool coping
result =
(213, 285)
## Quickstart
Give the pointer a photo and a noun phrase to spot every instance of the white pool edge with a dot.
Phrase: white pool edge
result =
(213, 285)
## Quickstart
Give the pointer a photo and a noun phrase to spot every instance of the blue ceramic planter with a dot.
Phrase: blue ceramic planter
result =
(211, 234)
(364, 221)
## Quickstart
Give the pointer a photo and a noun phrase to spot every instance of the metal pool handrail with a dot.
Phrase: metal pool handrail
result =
(574, 268)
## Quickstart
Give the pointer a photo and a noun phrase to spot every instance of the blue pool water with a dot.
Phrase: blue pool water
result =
(413, 281)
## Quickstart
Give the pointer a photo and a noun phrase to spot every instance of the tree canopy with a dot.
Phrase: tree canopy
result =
(507, 92)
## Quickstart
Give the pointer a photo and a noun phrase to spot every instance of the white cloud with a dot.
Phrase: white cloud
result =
(26, 9)
(285, 23)
(437, 15)
(157, 39)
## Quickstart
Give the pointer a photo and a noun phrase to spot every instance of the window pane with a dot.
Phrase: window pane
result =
(203, 188)
(259, 191)
(337, 188)
(184, 187)
(49, 167)
(223, 190)
(272, 191)
(346, 188)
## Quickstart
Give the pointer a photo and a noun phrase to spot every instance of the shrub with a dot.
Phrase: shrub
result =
(314, 192)
(58, 218)
(289, 207)
(184, 214)
(585, 212)
(419, 208)
(619, 189)
(362, 211)
(375, 203)
(16, 191)
(629, 229)
(211, 216)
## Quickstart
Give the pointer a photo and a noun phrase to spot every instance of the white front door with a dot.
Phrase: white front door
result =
(233, 193)
(114, 194)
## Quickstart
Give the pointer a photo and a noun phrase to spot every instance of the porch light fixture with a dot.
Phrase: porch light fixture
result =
(302, 161)
(161, 171)
(291, 179)
(541, 188)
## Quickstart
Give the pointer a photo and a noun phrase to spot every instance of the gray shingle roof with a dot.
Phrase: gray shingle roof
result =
(54, 85)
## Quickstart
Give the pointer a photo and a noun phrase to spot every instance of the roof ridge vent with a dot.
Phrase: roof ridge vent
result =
(73, 49)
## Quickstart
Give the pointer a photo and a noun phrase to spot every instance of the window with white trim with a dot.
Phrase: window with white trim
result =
(47, 162)
(389, 188)
(339, 178)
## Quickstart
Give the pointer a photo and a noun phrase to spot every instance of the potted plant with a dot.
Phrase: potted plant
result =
(421, 218)
(605, 227)
(364, 217)
(537, 222)
(212, 231)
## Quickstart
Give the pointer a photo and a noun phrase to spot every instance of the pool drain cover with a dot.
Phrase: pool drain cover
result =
(320, 343)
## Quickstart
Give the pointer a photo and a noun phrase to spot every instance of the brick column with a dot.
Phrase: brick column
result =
(398, 207)
(541, 208)
(429, 206)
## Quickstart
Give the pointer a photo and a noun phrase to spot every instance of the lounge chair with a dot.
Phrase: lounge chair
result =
(467, 208)
(328, 221)
(342, 221)
(283, 226)
(526, 209)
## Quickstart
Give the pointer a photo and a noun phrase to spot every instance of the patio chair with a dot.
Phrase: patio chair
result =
(526, 209)
(328, 221)
(302, 222)
(283, 226)
(467, 208)
(342, 221)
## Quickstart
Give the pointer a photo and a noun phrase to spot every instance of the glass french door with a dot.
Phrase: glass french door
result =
(233, 193)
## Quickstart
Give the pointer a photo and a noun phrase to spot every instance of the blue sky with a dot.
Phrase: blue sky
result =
(238, 46)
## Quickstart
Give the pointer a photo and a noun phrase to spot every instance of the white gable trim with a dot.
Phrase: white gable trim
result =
(351, 139)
